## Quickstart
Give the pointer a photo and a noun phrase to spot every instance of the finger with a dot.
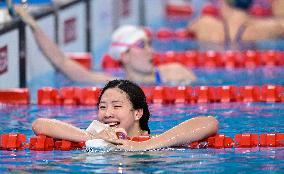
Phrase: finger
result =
(110, 135)
(121, 133)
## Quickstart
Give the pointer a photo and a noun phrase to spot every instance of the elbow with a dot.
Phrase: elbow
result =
(213, 125)
(38, 126)
(208, 126)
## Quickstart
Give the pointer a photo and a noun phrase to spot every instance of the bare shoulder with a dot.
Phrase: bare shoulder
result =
(171, 65)
(172, 68)
(260, 29)
(208, 28)
(205, 20)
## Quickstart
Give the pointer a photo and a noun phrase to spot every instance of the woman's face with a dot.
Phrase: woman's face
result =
(116, 110)
(140, 57)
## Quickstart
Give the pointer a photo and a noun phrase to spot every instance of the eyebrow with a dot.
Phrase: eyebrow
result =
(115, 101)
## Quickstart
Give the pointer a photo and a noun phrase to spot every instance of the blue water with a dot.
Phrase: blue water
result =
(208, 77)
(233, 117)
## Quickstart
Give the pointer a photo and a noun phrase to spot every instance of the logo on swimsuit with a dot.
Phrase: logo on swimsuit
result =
(70, 33)
(3, 59)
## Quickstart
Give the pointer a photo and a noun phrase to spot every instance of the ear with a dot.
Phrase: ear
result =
(138, 114)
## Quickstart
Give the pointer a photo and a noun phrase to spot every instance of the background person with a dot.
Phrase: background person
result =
(277, 8)
(137, 61)
(234, 28)
(122, 105)
(131, 46)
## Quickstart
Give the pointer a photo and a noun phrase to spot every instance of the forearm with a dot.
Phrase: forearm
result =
(60, 130)
(57, 57)
(48, 47)
(69, 67)
(189, 131)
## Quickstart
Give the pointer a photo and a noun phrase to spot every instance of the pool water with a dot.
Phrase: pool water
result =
(233, 117)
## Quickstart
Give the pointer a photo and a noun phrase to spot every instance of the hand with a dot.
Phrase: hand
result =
(28, 19)
(111, 134)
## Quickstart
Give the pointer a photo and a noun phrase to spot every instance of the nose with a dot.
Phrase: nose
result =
(109, 112)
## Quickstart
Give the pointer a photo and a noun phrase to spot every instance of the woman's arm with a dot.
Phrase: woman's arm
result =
(189, 131)
(69, 67)
(60, 130)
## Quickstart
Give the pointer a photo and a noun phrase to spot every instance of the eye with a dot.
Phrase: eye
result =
(141, 44)
(102, 107)
(117, 106)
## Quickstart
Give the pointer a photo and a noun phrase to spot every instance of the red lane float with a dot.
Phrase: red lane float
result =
(210, 10)
(184, 34)
(41, 143)
(83, 58)
(178, 10)
(207, 94)
(12, 141)
(109, 63)
(68, 96)
(19, 96)
(15, 141)
(154, 94)
(211, 59)
(258, 10)
(250, 93)
(271, 93)
(246, 140)
(48, 96)
(165, 34)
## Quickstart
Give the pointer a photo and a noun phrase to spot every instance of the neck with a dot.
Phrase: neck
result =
(227, 11)
(233, 17)
(136, 131)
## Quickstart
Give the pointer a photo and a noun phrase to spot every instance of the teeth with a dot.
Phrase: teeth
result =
(113, 124)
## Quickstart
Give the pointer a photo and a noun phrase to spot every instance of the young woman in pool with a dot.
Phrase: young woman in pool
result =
(129, 45)
(122, 106)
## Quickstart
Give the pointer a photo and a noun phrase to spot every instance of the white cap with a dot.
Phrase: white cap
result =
(123, 37)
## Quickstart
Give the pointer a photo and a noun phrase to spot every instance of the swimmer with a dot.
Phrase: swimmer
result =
(234, 28)
(130, 45)
(122, 107)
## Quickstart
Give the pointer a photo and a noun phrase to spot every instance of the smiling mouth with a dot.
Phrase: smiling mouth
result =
(113, 124)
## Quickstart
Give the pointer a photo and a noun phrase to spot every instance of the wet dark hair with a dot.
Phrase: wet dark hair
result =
(136, 96)
(241, 4)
